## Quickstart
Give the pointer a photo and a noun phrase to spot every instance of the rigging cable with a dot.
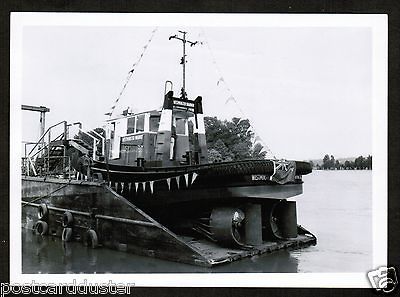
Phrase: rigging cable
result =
(130, 73)
(222, 80)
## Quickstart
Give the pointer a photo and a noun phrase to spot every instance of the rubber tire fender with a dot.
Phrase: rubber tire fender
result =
(41, 228)
(43, 211)
(66, 234)
(67, 219)
(90, 239)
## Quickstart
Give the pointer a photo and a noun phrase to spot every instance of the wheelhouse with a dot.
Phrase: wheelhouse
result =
(173, 136)
(128, 135)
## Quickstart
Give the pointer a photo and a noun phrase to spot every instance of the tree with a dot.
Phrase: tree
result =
(359, 162)
(326, 162)
(214, 156)
(232, 139)
(222, 149)
(257, 152)
(332, 162)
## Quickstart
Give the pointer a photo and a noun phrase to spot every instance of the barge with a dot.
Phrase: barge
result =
(144, 185)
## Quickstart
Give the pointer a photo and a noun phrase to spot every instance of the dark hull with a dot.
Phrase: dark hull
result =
(210, 182)
(123, 173)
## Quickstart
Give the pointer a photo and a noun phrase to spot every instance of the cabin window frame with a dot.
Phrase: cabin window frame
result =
(158, 125)
(186, 127)
(146, 124)
(134, 125)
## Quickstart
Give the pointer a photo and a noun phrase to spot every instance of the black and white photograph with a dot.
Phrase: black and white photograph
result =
(189, 149)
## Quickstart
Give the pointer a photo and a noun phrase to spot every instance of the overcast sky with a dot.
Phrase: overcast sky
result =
(307, 90)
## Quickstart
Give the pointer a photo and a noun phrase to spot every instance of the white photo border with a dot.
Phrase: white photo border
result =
(379, 25)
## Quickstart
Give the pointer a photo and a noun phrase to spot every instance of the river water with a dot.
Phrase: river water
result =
(336, 206)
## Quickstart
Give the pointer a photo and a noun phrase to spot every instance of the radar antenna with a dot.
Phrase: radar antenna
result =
(183, 59)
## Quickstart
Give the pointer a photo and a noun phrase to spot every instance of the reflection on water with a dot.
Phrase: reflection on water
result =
(335, 206)
(47, 254)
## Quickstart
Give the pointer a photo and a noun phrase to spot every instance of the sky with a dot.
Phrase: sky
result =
(306, 90)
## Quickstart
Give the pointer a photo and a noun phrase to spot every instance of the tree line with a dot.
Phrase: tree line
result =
(329, 163)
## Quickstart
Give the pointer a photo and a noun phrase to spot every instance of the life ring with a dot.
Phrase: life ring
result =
(43, 211)
(67, 220)
(41, 228)
(66, 234)
(91, 239)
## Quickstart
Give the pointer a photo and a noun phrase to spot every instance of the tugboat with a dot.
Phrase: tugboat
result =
(146, 186)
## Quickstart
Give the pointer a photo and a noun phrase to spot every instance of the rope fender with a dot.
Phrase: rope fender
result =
(250, 167)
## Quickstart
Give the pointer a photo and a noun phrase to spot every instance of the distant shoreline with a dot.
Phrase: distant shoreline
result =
(328, 162)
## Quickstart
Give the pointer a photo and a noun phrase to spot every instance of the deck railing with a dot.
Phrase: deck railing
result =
(103, 141)
(39, 149)
(30, 169)
(95, 142)
(48, 133)
(43, 149)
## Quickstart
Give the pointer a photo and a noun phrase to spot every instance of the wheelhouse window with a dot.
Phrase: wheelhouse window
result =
(140, 123)
(131, 125)
(111, 130)
(154, 123)
(181, 126)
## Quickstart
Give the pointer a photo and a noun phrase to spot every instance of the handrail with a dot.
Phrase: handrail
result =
(95, 141)
(44, 147)
(29, 164)
(44, 134)
(33, 166)
(25, 145)
(73, 124)
(76, 123)
(103, 139)
(40, 150)
(59, 136)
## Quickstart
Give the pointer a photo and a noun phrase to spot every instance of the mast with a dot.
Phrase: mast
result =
(183, 59)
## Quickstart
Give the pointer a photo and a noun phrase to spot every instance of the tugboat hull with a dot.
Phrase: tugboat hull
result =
(230, 180)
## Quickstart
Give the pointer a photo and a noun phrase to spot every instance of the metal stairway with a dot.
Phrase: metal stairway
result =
(52, 157)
